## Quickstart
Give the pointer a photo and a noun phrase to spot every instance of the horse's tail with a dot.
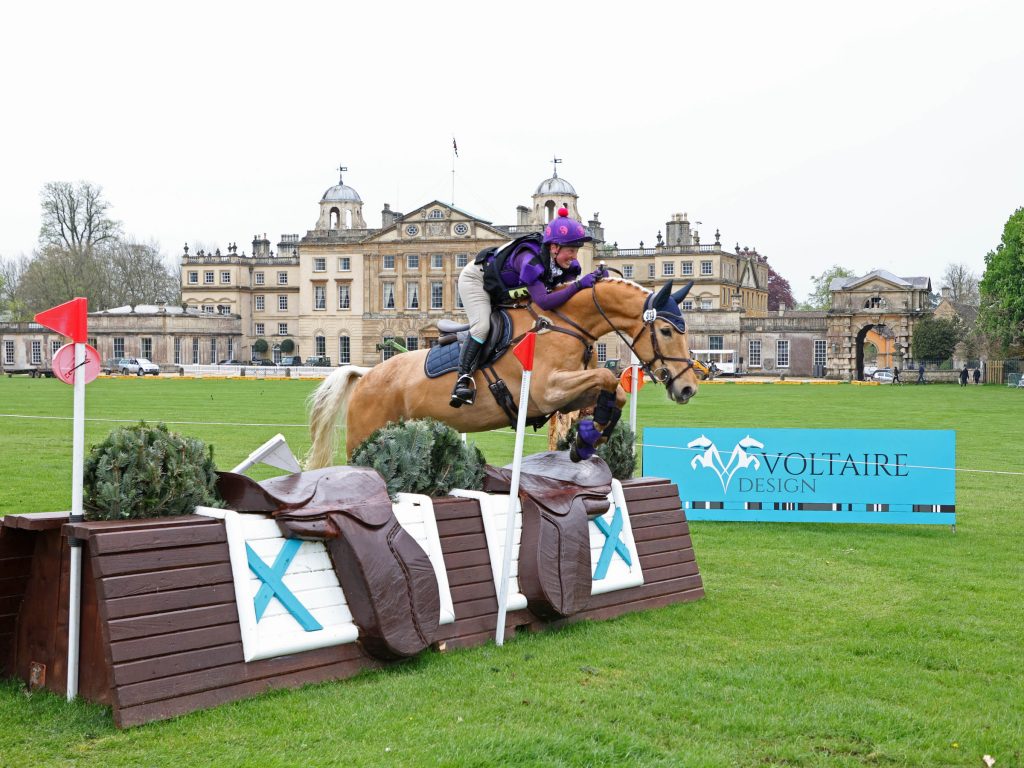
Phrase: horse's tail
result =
(326, 406)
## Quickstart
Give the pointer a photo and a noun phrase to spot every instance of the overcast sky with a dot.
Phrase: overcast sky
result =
(871, 135)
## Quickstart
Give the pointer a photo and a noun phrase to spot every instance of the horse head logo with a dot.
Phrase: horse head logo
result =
(738, 459)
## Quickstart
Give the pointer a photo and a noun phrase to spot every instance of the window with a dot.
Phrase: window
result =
(461, 260)
(687, 304)
(705, 303)
(195, 350)
(389, 295)
(231, 348)
(282, 303)
(819, 352)
(344, 264)
(782, 353)
(412, 261)
(715, 342)
(119, 346)
(650, 270)
(193, 278)
(389, 261)
(282, 278)
(705, 267)
(37, 352)
(258, 278)
(282, 329)
(754, 353)
(602, 352)
(627, 271)
(412, 343)
(177, 351)
(412, 295)
(223, 309)
(213, 350)
(55, 345)
(208, 309)
(261, 329)
(9, 352)
(260, 303)
(225, 278)
(344, 350)
(319, 297)
(686, 267)
(320, 264)
(435, 214)
(387, 351)
(437, 261)
(875, 302)
(147, 348)
(208, 278)
(458, 298)
(320, 345)
(668, 269)
(344, 297)
(437, 295)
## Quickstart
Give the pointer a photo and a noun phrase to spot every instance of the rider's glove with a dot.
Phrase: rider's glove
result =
(587, 281)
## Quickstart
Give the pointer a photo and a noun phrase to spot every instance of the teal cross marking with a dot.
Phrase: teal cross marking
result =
(273, 585)
(612, 544)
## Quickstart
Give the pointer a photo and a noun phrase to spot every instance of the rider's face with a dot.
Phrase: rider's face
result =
(564, 255)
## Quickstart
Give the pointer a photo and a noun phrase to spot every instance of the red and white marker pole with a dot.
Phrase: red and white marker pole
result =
(70, 319)
(524, 351)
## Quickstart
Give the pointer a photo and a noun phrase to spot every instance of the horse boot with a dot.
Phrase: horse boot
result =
(464, 392)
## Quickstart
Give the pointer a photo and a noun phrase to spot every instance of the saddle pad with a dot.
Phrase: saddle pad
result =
(444, 359)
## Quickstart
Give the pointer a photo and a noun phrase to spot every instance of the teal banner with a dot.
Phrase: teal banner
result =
(808, 475)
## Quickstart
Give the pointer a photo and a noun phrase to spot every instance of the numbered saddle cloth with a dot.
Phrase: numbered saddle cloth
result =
(389, 582)
(558, 496)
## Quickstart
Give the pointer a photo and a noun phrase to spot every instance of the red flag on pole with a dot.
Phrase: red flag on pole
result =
(68, 319)
(524, 350)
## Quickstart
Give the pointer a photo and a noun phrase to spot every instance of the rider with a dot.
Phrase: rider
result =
(543, 267)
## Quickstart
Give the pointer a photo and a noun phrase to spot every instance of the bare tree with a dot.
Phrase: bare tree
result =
(54, 275)
(962, 284)
(138, 274)
(75, 217)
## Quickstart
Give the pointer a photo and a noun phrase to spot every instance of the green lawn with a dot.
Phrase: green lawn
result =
(816, 645)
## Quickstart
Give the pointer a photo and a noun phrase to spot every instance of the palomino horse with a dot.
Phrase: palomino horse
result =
(652, 325)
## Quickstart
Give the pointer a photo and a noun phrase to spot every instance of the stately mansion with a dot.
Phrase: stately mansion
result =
(345, 288)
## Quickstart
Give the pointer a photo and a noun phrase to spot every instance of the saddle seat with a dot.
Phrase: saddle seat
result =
(444, 358)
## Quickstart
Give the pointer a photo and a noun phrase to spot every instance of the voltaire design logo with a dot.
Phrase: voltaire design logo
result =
(712, 459)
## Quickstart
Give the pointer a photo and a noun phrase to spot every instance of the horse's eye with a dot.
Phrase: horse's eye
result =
(666, 331)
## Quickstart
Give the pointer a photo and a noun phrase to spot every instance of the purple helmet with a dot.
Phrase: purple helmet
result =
(566, 231)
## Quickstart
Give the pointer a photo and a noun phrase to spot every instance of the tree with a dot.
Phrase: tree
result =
(935, 339)
(962, 284)
(779, 292)
(11, 271)
(820, 296)
(75, 217)
(138, 275)
(1002, 285)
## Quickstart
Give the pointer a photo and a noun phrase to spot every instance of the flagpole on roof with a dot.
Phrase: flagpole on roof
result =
(455, 154)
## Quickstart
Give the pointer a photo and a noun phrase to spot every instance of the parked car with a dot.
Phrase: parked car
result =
(291, 360)
(264, 362)
(230, 362)
(883, 375)
(319, 360)
(110, 365)
(869, 371)
(140, 366)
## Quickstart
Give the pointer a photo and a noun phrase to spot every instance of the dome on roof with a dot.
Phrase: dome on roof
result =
(341, 193)
(555, 186)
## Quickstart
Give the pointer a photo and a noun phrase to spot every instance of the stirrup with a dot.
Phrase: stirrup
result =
(457, 399)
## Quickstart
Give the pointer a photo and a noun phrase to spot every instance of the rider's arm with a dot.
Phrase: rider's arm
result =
(547, 301)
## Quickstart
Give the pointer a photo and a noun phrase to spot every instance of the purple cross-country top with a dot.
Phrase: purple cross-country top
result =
(525, 267)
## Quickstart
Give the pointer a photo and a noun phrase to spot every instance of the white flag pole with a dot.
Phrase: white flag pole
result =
(75, 562)
(634, 364)
(524, 351)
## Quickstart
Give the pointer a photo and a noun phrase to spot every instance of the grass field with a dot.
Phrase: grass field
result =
(815, 645)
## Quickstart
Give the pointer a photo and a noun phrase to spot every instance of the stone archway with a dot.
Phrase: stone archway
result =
(884, 340)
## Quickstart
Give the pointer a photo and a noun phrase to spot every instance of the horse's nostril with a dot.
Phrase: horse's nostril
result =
(686, 393)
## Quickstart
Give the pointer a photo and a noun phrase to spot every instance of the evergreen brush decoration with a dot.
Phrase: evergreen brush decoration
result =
(618, 453)
(421, 456)
(143, 471)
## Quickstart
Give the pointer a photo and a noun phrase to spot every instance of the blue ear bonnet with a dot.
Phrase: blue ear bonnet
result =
(666, 305)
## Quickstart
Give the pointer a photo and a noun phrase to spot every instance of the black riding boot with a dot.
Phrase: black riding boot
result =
(465, 388)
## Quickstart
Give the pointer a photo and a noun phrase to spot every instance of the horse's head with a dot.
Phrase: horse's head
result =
(670, 361)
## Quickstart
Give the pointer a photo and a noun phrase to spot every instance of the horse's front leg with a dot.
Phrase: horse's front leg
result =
(599, 383)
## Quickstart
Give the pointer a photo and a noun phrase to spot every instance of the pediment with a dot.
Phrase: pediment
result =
(438, 221)
(748, 279)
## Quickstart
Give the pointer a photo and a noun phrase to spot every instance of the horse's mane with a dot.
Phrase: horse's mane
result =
(630, 283)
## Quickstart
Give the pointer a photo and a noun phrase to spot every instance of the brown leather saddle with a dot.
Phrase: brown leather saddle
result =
(388, 580)
(558, 496)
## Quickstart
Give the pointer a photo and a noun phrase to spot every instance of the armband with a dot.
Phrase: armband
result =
(518, 293)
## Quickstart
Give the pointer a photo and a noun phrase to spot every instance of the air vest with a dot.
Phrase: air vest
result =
(494, 260)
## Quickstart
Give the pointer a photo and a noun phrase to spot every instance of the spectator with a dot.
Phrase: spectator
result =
(977, 375)
(920, 373)
(963, 377)
(896, 376)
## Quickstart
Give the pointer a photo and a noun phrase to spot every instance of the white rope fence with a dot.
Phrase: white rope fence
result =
(506, 432)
